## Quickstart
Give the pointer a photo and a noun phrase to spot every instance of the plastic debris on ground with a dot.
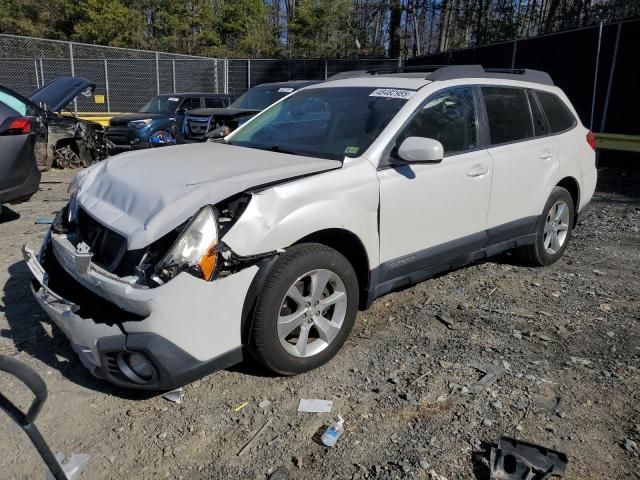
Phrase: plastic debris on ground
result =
(44, 221)
(333, 433)
(72, 466)
(175, 396)
(240, 407)
(519, 460)
(315, 405)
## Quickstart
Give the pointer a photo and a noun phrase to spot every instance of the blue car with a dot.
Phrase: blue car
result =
(157, 123)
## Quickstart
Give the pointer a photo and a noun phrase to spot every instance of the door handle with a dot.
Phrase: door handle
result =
(546, 155)
(477, 171)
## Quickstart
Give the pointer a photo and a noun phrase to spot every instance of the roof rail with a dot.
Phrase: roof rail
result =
(477, 71)
(450, 72)
(407, 69)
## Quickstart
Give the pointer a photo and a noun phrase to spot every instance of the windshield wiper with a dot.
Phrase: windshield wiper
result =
(279, 149)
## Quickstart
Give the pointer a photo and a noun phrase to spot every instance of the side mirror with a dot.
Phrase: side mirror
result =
(421, 150)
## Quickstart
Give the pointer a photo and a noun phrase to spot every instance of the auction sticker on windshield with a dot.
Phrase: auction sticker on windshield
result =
(285, 90)
(174, 99)
(392, 93)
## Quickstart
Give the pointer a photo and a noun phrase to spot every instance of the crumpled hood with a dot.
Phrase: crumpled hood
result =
(145, 194)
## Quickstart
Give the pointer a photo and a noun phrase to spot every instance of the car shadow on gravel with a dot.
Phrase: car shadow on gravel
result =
(7, 215)
(249, 366)
(27, 331)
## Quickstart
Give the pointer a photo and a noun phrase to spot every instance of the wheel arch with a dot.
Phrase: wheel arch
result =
(349, 245)
(341, 240)
(573, 187)
(63, 142)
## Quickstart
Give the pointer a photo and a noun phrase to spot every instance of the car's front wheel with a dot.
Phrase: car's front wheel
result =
(306, 309)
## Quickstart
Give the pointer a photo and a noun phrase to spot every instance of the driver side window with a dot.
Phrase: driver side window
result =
(449, 117)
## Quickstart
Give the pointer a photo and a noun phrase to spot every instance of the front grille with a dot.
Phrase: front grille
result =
(91, 305)
(106, 245)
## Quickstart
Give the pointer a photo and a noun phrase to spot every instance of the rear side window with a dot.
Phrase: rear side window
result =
(539, 123)
(13, 102)
(213, 102)
(509, 114)
(559, 116)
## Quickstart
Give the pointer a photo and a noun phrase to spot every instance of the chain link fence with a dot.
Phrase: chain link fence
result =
(126, 78)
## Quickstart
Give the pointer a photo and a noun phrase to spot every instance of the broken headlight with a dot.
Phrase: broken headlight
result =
(194, 251)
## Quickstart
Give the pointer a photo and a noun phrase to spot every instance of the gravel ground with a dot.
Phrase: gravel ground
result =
(563, 340)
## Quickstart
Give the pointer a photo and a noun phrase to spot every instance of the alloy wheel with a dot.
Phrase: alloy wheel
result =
(556, 227)
(312, 313)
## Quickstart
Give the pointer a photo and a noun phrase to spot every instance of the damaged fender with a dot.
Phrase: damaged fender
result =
(280, 216)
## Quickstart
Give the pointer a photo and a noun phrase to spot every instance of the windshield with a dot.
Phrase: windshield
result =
(162, 104)
(324, 122)
(259, 98)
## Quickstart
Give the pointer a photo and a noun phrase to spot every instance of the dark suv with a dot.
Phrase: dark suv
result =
(157, 122)
(200, 124)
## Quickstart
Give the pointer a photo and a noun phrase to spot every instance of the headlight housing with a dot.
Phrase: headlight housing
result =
(194, 251)
(139, 123)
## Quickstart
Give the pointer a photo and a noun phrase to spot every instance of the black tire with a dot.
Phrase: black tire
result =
(537, 254)
(264, 343)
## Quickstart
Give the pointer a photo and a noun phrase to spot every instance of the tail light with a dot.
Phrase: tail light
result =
(591, 139)
(19, 126)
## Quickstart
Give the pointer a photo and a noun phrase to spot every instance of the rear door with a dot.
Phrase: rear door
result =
(17, 157)
(37, 117)
(525, 161)
(430, 213)
(187, 104)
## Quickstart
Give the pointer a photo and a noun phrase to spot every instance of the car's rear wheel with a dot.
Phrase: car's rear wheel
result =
(553, 229)
(306, 309)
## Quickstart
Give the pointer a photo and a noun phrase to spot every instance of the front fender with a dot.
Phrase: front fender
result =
(278, 217)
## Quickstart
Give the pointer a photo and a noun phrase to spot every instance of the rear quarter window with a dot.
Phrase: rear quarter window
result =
(558, 114)
(508, 113)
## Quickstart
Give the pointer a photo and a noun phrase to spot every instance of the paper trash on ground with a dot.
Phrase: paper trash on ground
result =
(315, 405)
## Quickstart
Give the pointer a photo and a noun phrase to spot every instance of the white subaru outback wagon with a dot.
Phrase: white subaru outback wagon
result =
(169, 264)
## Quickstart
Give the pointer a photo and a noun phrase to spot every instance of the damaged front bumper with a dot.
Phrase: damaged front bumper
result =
(183, 330)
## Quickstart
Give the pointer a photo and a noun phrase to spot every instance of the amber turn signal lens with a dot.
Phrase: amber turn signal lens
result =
(207, 263)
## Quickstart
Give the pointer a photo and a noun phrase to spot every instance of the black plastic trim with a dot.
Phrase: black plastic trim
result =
(413, 268)
(265, 267)
(173, 367)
